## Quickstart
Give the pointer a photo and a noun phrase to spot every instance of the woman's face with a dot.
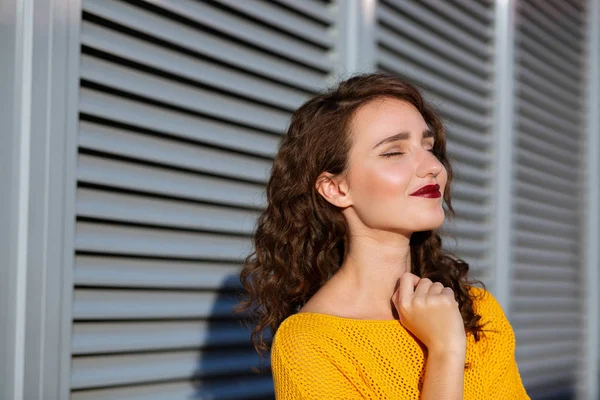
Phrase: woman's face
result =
(390, 159)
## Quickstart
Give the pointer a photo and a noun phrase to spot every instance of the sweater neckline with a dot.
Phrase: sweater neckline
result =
(345, 319)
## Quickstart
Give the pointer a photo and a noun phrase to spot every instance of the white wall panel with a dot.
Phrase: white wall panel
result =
(546, 301)
(446, 48)
(182, 105)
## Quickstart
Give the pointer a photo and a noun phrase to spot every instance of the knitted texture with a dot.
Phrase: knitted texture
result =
(319, 356)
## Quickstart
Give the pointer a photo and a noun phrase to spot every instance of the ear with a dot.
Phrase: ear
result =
(334, 189)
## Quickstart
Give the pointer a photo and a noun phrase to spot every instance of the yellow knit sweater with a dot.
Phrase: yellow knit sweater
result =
(319, 356)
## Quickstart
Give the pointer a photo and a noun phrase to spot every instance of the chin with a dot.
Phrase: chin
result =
(431, 225)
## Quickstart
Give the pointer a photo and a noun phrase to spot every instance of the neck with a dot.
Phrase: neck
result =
(371, 268)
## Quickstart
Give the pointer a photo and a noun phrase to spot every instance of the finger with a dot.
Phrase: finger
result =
(423, 287)
(436, 288)
(408, 281)
(448, 292)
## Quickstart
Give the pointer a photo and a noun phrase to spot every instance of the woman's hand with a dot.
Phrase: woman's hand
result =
(431, 313)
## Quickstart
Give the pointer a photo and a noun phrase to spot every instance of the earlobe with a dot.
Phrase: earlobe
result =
(333, 190)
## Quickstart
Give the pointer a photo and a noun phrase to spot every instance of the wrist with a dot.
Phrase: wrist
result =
(456, 351)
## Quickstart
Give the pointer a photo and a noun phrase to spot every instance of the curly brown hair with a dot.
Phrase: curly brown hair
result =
(300, 238)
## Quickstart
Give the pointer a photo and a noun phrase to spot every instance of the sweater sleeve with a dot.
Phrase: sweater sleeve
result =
(304, 369)
(500, 362)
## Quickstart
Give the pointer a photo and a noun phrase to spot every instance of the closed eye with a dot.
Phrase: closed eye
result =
(391, 154)
(398, 153)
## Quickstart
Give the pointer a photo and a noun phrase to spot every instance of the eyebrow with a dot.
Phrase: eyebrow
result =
(427, 133)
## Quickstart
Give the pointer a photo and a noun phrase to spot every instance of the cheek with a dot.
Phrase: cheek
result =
(385, 181)
(442, 178)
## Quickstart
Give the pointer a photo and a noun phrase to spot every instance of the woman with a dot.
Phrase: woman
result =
(348, 270)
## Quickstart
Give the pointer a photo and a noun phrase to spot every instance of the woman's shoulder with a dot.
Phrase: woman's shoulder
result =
(484, 301)
(300, 334)
(493, 318)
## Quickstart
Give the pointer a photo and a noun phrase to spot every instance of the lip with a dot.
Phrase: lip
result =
(429, 191)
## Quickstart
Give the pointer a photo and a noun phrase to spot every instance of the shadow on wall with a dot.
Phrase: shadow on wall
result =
(228, 366)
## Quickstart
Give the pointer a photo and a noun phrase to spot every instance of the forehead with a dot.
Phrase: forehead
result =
(383, 117)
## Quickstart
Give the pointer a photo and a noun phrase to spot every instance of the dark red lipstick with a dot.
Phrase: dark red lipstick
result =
(429, 191)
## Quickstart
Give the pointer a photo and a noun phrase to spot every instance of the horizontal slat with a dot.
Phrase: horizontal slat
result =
(537, 27)
(256, 34)
(557, 107)
(526, 60)
(111, 239)
(454, 113)
(215, 47)
(405, 27)
(570, 288)
(160, 150)
(314, 9)
(553, 21)
(482, 12)
(541, 241)
(119, 337)
(121, 304)
(543, 195)
(547, 118)
(542, 84)
(467, 229)
(232, 389)
(535, 350)
(171, 93)
(101, 371)
(545, 227)
(552, 385)
(136, 209)
(471, 210)
(532, 304)
(537, 174)
(188, 67)
(461, 18)
(467, 247)
(396, 62)
(162, 181)
(569, 9)
(468, 159)
(472, 192)
(533, 143)
(466, 173)
(527, 336)
(548, 365)
(177, 124)
(148, 273)
(528, 126)
(284, 20)
(548, 227)
(544, 273)
(545, 319)
(549, 58)
(541, 210)
(467, 136)
(474, 44)
(438, 65)
(528, 255)
(543, 170)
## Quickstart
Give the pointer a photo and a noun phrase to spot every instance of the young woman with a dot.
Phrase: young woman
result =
(348, 269)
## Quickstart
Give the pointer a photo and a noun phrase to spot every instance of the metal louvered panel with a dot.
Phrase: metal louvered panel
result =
(182, 105)
(545, 303)
(446, 48)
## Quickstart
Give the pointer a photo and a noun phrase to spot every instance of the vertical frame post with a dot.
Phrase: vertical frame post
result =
(502, 204)
(587, 387)
(39, 82)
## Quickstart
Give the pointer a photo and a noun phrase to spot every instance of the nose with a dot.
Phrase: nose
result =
(429, 164)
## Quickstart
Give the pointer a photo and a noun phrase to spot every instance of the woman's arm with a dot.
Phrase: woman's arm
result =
(303, 370)
(444, 376)
(431, 313)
